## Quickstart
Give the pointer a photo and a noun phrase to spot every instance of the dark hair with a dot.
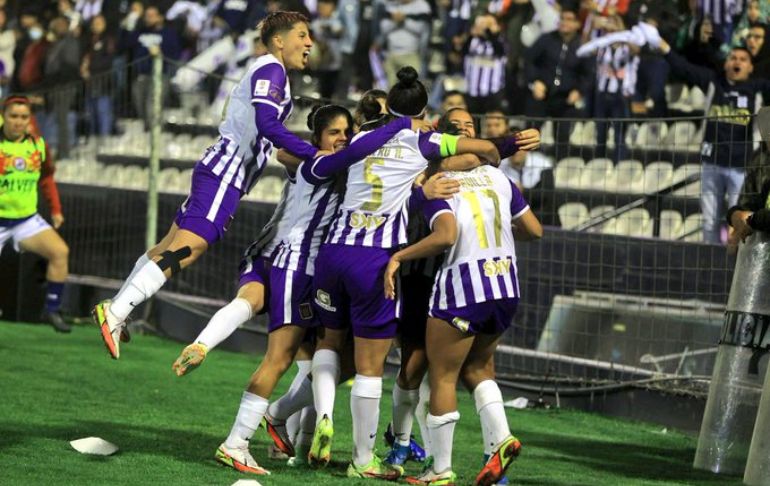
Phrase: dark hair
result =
(452, 92)
(278, 22)
(743, 47)
(369, 107)
(320, 117)
(408, 97)
(445, 126)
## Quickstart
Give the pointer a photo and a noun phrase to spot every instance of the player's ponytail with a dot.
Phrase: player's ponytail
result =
(408, 97)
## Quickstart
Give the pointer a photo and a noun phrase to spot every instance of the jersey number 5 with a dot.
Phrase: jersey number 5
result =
(478, 217)
(375, 181)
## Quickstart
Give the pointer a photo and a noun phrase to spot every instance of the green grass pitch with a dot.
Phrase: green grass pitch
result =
(56, 388)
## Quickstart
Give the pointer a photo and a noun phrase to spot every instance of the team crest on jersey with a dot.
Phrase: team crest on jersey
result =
(461, 324)
(275, 94)
(261, 87)
(324, 300)
(19, 163)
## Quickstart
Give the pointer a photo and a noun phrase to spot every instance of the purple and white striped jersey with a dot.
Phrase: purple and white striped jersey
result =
(374, 212)
(311, 212)
(481, 265)
(276, 229)
(242, 150)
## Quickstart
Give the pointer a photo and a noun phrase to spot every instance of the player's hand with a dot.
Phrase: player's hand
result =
(421, 125)
(528, 140)
(57, 220)
(538, 90)
(390, 278)
(439, 186)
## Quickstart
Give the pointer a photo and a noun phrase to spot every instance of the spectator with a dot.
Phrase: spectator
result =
(74, 20)
(484, 62)
(153, 37)
(495, 124)
(704, 48)
(721, 14)
(404, 30)
(616, 69)
(7, 62)
(96, 70)
(61, 70)
(234, 15)
(760, 51)
(348, 13)
(453, 99)
(327, 31)
(557, 78)
(29, 53)
(727, 140)
(756, 13)
(364, 42)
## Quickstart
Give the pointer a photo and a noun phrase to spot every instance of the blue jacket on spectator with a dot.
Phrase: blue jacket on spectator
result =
(236, 14)
(550, 54)
(140, 40)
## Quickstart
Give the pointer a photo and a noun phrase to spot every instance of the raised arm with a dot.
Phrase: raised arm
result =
(267, 91)
(321, 169)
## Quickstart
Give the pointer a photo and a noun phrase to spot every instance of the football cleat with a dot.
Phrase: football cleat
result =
(57, 321)
(300, 460)
(376, 469)
(279, 435)
(275, 453)
(192, 356)
(321, 449)
(416, 452)
(504, 480)
(110, 328)
(398, 455)
(239, 459)
(428, 477)
(494, 470)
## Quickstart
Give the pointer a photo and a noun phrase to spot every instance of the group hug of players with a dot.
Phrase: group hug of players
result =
(385, 229)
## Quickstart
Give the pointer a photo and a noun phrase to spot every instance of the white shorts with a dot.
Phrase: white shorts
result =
(22, 231)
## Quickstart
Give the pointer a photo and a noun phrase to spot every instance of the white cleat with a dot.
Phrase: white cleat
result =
(239, 459)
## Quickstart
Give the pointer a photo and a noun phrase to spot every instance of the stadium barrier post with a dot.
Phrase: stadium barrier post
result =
(734, 394)
(154, 162)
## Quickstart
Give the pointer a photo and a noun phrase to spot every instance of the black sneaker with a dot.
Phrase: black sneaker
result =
(55, 319)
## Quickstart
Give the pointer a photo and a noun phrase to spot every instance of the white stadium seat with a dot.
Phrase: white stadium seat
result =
(680, 136)
(670, 224)
(598, 211)
(572, 214)
(692, 224)
(657, 176)
(597, 175)
(682, 172)
(568, 172)
(635, 222)
(651, 135)
(629, 177)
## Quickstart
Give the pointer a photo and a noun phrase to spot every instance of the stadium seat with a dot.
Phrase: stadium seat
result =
(635, 222)
(697, 98)
(572, 214)
(682, 172)
(680, 135)
(676, 92)
(168, 180)
(651, 135)
(670, 224)
(657, 176)
(576, 136)
(546, 133)
(597, 175)
(568, 171)
(598, 211)
(629, 177)
(587, 134)
(692, 227)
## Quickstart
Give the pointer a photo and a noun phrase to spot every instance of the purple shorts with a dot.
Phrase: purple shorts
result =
(415, 297)
(291, 299)
(349, 291)
(491, 317)
(256, 269)
(210, 207)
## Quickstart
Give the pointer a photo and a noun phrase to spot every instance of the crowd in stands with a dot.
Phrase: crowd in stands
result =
(542, 59)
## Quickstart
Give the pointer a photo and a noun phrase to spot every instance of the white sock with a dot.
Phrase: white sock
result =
(292, 423)
(291, 402)
(140, 262)
(421, 414)
(404, 404)
(365, 408)
(143, 285)
(326, 374)
(224, 322)
(306, 427)
(441, 430)
(489, 405)
(250, 413)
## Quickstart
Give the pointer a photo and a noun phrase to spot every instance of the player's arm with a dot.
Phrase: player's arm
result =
(322, 168)
(48, 187)
(442, 236)
(267, 92)
(287, 160)
(526, 226)
(436, 146)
